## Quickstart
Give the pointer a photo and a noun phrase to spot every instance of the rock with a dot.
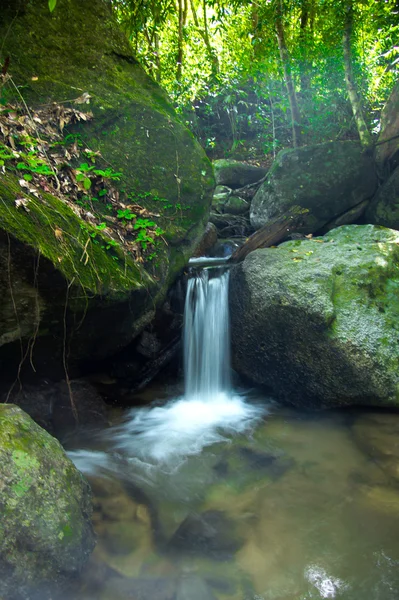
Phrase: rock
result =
(140, 588)
(225, 248)
(210, 533)
(384, 207)
(387, 153)
(49, 404)
(317, 320)
(235, 205)
(46, 534)
(208, 240)
(193, 587)
(235, 174)
(110, 297)
(327, 179)
(350, 216)
(221, 189)
(377, 434)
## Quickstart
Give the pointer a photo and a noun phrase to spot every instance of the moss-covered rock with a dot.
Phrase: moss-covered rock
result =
(46, 534)
(326, 179)
(318, 320)
(56, 57)
(236, 174)
(384, 207)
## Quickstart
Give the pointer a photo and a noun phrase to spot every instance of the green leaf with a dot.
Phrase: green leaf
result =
(87, 183)
(28, 177)
(51, 4)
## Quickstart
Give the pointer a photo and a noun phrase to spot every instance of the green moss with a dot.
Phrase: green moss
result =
(52, 228)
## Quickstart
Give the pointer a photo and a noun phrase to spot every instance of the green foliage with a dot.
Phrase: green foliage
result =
(52, 5)
(243, 109)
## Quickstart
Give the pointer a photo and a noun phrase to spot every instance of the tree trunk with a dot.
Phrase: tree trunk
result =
(182, 10)
(354, 97)
(289, 82)
(213, 59)
(274, 232)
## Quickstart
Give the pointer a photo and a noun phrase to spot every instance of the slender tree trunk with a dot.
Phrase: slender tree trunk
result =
(203, 31)
(304, 35)
(354, 97)
(182, 11)
(289, 82)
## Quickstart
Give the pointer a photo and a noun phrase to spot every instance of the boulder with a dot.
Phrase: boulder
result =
(317, 320)
(46, 535)
(387, 152)
(207, 241)
(326, 179)
(384, 207)
(79, 51)
(236, 174)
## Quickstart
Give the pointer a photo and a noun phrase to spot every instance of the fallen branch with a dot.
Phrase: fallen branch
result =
(274, 232)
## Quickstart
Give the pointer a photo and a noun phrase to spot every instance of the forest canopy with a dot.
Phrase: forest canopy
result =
(234, 67)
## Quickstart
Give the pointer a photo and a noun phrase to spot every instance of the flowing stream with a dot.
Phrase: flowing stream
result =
(217, 495)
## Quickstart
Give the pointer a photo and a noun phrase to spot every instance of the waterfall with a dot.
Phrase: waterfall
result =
(210, 410)
(206, 336)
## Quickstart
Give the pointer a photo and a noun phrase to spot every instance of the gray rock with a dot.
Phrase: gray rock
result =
(384, 207)
(236, 174)
(388, 152)
(327, 179)
(318, 320)
(46, 535)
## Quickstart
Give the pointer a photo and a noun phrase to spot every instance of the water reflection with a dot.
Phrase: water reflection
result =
(300, 509)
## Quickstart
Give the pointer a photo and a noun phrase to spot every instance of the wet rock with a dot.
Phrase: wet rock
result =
(207, 241)
(225, 248)
(210, 533)
(235, 174)
(46, 535)
(51, 406)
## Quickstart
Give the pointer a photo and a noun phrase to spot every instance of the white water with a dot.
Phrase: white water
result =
(209, 412)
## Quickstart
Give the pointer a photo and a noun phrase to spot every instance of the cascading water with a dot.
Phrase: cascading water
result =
(209, 410)
(206, 337)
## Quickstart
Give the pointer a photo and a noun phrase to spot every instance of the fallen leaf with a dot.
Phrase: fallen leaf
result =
(83, 99)
(58, 233)
(22, 202)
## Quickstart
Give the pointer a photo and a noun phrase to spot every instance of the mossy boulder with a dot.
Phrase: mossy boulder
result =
(326, 179)
(56, 57)
(387, 152)
(46, 535)
(384, 207)
(236, 174)
(318, 320)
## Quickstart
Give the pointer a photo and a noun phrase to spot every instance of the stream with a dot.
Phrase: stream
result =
(221, 493)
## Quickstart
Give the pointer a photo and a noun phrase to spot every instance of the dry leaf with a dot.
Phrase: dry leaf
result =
(22, 202)
(58, 233)
(83, 99)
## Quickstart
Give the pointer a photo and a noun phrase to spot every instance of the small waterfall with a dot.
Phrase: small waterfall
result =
(161, 437)
(206, 336)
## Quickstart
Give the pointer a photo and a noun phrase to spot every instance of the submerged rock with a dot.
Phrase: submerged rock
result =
(46, 535)
(211, 534)
(326, 179)
(318, 320)
(377, 434)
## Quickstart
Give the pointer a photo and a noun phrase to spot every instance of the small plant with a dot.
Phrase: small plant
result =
(125, 214)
